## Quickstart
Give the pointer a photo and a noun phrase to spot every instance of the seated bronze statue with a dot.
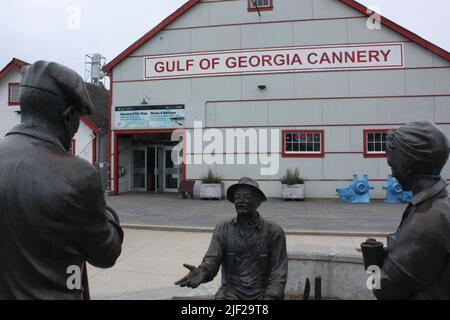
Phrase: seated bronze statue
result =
(251, 251)
(53, 215)
(416, 262)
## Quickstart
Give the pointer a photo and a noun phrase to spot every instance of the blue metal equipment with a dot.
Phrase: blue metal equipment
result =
(357, 191)
(395, 193)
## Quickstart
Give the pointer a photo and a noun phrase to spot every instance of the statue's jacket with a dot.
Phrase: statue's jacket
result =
(52, 218)
(417, 265)
(254, 265)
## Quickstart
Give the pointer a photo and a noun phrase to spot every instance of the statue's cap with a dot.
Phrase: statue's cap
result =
(60, 81)
(245, 182)
(419, 146)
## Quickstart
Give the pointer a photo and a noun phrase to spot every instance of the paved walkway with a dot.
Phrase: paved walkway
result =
(152, 261)
(312, 214)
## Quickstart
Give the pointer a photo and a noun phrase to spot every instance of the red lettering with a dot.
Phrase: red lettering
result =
(242, 62)
(205, 64)
(159, 67)
(231, 62)
(362, 56)
(312, 55)
(296, 59)
(337, 57)
(254, 61)
(325, 58)
(215, 62)
(385, 54)
(279, 60)
(189, 64)
(266, 59)
(350, 56)
(373, 55)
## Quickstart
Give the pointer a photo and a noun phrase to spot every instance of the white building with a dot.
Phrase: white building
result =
(327, 75)
(86, 142)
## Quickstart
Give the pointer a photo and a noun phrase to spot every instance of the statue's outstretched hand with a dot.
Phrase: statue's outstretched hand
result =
(193, 279)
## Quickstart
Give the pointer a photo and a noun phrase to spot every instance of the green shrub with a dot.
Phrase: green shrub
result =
(211, 178)
(292, 177)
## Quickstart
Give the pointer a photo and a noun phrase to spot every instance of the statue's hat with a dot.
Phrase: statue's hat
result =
(245, 182)
(59, 81)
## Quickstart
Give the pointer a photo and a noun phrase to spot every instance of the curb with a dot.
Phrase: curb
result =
(361, 234)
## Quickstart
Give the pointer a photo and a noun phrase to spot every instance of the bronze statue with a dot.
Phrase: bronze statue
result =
(251, 251)
(416, 262)
(53, 215)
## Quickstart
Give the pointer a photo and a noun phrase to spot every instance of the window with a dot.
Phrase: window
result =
(303, 143)
(13, 94)
(261, 5)
(375, 143)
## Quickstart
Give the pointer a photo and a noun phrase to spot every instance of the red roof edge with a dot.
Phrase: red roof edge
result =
(404, 32)
(89, 124)
(14, 63)
(352, 3)
(150, 34)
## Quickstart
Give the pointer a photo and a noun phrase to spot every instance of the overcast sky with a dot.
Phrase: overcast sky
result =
(49, 29)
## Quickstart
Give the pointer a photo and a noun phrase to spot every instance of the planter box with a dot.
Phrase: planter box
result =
(296, 191)
(211, 191)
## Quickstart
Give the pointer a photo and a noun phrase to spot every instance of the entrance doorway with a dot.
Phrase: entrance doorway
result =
(154, 170)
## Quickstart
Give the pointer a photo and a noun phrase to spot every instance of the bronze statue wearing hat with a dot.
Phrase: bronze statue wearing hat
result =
(416, 262)
(251, 251)
(53, 215)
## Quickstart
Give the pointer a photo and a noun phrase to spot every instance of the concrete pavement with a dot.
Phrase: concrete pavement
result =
(151, 262)
(312, 214)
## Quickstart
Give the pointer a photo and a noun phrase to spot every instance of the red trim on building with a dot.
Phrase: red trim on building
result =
(404, 32)
(368, 154)
(353, 4)
(90, 125)
(284, 154)
(74, 145)
(250, 8)
(94, 150)
(14, 63)
(10, 102)
(110, 100)
(151, 34)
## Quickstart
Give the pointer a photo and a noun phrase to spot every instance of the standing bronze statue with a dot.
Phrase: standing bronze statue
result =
(251, 251)
(416, 262)
(53, 215)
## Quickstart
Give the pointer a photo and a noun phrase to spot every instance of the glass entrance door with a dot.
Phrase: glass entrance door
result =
(139, 177)
(171, 171)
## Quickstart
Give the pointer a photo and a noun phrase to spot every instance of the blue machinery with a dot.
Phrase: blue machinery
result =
(359, 191)
(395, 193)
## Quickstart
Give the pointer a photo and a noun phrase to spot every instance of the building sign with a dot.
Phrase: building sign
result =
(149, 117)
(292, 59)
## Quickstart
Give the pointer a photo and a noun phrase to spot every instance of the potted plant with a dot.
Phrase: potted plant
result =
(292, 185)
(211, 187)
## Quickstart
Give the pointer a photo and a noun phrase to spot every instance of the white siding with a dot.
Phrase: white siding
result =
(8, 117)
(84, 143)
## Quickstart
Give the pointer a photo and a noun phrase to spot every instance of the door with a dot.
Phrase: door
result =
(139, 177)
(171, 171)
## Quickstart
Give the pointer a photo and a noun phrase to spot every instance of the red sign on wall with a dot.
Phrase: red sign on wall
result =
(274, 60)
